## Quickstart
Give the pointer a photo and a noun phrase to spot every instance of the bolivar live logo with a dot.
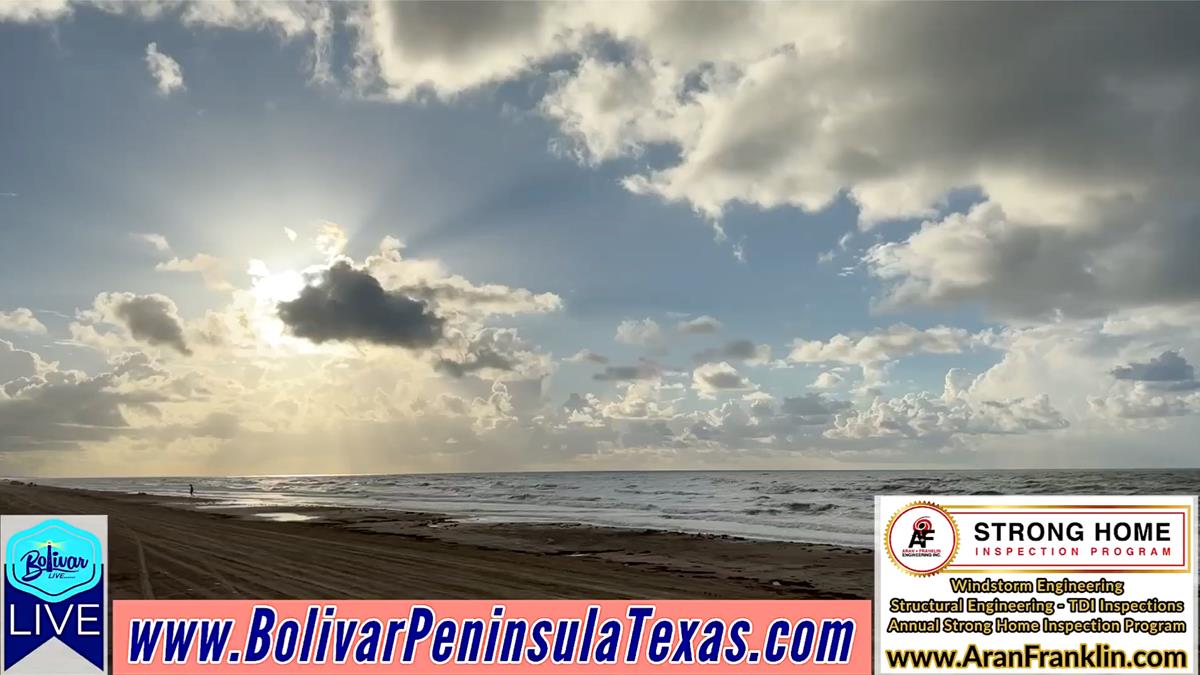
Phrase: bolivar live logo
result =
(55, 610)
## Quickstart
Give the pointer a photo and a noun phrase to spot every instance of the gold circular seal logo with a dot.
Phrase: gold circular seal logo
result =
(921, 538)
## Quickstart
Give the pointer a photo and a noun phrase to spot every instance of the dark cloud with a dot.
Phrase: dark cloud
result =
(350, 305)
(642, 371)
(1166, 367)
(724, 379)
(151, 319)
(489, 353)
(1168, 371)
(486, 358)
(60, 410)
(812, 405)
(737, 350)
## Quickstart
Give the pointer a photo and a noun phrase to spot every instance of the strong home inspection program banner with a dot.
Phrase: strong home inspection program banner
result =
(1035, 584)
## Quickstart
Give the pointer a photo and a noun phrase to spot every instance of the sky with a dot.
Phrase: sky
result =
(264, 238)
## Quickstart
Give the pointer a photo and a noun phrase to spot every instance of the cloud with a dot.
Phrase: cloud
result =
(413, 48)
(757, 421)
(60, 410)
(1121, 256)
(955, 412)
(348, 304)
(492, 354)
(736, 350)
(701, 325)
(153, 319)
(711, 379)
(1084, 158)
(828, 379)
(168, 77)
(587, 356)
(290, 233)
(157, 241)
(210, 268)
(887, 344)
(643, 371)
(872, 101)
(1083, 168)
(330, 240)
(1167, 367)
(452, 294)
(643, 333)
(17, 364)
(21, 320)
(291, 21)
(1164, 386)
(1141, 403)
(31, 11)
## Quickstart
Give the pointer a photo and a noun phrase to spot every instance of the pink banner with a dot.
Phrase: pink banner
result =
(491, 636)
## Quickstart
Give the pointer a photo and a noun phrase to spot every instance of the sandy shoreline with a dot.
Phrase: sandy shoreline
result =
(164, 548)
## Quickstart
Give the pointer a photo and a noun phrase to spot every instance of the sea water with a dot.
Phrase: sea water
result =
(833, 507)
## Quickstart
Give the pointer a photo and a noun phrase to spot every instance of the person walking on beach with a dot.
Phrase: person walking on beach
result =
(191, 490)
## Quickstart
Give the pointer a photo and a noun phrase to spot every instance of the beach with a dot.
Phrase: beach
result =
(163, 547)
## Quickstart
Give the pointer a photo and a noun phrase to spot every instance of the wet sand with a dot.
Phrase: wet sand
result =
(188, 548)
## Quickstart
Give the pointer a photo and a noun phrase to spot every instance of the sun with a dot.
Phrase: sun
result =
(274, 287)
(267, 290)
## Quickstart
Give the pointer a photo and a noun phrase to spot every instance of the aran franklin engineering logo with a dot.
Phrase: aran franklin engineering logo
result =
(921, 538)
(55, 609)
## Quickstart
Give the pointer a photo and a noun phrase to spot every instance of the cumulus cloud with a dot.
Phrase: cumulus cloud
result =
(1121, 257)
(447, 48)
(210, 268)
(153, 319)
(54, 409)
(701, 325)
(890, 343)
(956, 411)
(330, 239)
(1164, 386)
(348, 304)
(493, 353)
(17, 364)
(1083, 159)
(711, 379)
(28, 11)
(168, 77)
(829, 379)
(876, 102)
(452, 294)
(587, 356)
(1140, 402)
(643, 333)
(21, 320)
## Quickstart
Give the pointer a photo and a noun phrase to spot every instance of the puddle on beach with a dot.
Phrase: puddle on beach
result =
(285, 517)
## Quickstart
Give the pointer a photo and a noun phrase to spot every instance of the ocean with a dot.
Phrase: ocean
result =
(834, 507)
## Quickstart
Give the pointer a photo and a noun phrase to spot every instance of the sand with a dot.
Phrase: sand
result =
(187, 548)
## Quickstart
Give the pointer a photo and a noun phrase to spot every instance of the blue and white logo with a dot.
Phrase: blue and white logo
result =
(54, 560)
(54, 594)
